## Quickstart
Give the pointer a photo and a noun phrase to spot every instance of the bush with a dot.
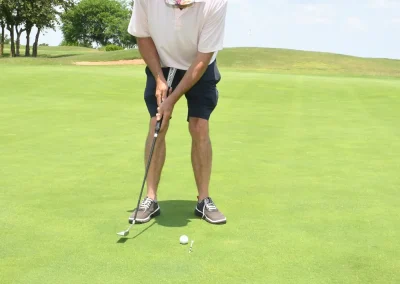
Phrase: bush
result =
(67, 43)
(113, 47)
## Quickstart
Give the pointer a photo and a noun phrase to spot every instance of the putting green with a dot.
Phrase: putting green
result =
(306, 169)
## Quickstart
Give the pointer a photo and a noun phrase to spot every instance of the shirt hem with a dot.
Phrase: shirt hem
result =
(208, 50)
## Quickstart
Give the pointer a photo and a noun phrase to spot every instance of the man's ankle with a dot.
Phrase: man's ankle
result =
(152, 196)
(201, 197)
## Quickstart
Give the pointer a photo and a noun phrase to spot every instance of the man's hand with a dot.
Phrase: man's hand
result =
(165, 111)
(161, 90)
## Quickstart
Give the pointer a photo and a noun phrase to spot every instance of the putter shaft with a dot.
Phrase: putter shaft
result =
(171, 76)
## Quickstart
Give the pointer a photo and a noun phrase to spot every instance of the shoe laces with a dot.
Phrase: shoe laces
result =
(146, 203)
(209, 204)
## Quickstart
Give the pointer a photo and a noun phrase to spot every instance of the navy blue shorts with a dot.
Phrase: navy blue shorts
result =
(201, 99)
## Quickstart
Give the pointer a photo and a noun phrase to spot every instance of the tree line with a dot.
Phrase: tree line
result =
(83, 22)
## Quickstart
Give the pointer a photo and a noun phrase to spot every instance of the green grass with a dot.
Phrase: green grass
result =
(269, 60)
(306, 62)
(67, 55)
(306, 169)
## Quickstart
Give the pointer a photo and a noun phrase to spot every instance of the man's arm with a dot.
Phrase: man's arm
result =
(192, 75)
(150, 56)
(138, 27)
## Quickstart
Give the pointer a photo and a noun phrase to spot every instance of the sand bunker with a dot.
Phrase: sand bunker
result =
(117, 62)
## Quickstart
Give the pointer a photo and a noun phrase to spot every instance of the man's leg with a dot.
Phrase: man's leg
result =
(202, 99)
(201, 154)
(202, 165)
(158, 159)
(149, 207)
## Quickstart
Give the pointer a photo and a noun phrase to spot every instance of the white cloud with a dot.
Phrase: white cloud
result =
(383, 4)
(313, 13)
(355, 23)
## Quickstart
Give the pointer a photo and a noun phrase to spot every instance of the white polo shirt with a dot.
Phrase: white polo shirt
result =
(179, 34)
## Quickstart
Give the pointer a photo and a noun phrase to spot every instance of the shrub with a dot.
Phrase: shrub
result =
(113, 47)
(67, 43)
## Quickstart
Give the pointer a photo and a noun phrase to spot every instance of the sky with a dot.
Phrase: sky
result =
(365, 28)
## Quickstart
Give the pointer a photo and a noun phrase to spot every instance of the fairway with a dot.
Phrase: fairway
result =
(305, 168)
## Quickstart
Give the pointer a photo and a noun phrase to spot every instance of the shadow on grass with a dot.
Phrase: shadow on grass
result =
(50, 56)
(57, 56)
(174, 213)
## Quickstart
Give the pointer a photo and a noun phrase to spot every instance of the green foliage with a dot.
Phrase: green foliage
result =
(6, 39)
(127, 4)
(75, 43)
(125, 38)
(113, 47)
(23, 15)
(97, 21)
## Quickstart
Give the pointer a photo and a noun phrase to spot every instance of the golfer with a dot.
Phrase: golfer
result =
(187, 35)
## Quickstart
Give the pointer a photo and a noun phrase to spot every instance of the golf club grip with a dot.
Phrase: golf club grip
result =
(171, 75)
(158, 125)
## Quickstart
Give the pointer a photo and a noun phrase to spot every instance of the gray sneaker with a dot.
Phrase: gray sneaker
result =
(206, 209)
(147, 210)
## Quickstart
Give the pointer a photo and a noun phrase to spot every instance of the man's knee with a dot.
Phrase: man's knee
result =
(198, 129)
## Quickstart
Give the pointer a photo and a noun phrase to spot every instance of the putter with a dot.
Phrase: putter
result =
(171, 75)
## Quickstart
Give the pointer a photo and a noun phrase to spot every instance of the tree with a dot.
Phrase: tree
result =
(96, 21)
(43, 17)
(128, 4)
(22, 15)
(125, 38)
(19, 19)
(8, 12)
(45, 14)
(28, 29)
(27, 13)
(3, 29)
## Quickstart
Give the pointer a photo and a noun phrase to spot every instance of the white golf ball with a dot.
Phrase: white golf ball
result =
(184, 239)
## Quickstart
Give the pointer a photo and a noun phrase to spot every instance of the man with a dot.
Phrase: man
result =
(187, 35)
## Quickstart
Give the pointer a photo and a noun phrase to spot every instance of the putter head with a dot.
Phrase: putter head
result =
(123, 233)
(126, 232)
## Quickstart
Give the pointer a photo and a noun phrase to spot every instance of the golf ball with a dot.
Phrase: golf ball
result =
(184, 239)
